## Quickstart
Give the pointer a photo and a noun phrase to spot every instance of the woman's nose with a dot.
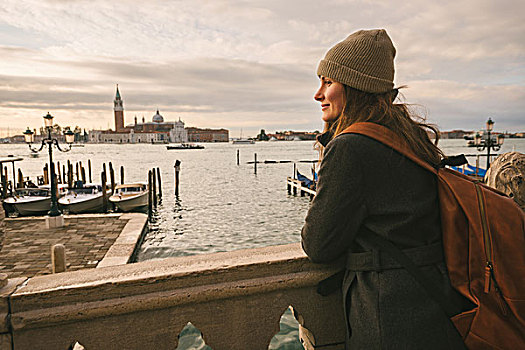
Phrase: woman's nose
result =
(319, 95)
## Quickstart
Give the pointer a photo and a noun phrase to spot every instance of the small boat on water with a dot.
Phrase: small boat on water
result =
(185, 146)
(305, 181)
(130, 197)
(31, 201)
(243, 142)
(85, 199)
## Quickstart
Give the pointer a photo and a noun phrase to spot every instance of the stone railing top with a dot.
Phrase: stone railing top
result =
(168, 267)
(236, 268)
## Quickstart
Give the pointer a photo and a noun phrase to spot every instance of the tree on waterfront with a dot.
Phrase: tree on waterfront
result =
(262, 136)
(55, 130)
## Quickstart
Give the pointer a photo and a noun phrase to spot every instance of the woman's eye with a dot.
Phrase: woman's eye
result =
(328, 82)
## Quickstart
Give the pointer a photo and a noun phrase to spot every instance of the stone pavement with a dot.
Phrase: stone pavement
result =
(25, 243)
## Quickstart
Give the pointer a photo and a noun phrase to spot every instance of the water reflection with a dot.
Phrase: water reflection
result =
(158, 241)
(178, 210)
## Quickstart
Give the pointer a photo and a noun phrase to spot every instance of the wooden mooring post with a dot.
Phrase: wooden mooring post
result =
(160, 185)
(59, 175)
(122, 175)
(7, 181)
(20, 179)
(89, 169)
(150, 196)
(46, 174)
(104, 193)
(4, 182)
(83, 173)
(255, 164)
(58, 258)
(154, 189)
(112, 178)
(69, 178)
(238, 158)
(104, 170)
(64, 174)
(69, 175)
(177, 170)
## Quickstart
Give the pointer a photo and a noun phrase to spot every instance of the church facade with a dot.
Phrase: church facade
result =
(156, 131)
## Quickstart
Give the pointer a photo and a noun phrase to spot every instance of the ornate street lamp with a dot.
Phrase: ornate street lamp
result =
(489, 143)
(50, 141)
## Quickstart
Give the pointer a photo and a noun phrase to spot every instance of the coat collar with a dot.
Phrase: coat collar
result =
(324, 138)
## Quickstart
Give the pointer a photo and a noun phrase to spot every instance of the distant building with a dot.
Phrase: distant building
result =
(207, 135)
(168, 131)
(119, 112)
(455, 134)
(156, 131)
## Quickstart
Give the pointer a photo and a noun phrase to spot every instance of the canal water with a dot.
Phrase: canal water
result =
(221, 206)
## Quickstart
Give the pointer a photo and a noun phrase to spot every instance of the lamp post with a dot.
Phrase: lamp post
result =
(50, 141)
(488, 142)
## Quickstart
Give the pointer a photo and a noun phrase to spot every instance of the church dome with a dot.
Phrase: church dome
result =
(157, 118)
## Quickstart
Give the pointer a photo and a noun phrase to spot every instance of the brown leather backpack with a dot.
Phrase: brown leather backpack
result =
(484, 247)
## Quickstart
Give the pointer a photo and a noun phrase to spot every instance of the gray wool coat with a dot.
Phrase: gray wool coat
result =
(363, 183)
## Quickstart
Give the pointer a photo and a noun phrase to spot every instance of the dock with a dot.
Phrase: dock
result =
(294, 185)
(90, 240)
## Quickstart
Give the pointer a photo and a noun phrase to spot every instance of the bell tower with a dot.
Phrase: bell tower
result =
(118, 108)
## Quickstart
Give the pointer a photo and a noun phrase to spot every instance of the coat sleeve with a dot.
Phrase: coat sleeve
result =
(338, 209)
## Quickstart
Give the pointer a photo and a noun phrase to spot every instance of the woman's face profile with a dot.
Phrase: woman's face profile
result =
(331, 95)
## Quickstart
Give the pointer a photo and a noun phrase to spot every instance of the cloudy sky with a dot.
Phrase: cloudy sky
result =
(250, 64)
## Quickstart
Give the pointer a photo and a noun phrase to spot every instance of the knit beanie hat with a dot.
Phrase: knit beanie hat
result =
(364, 61)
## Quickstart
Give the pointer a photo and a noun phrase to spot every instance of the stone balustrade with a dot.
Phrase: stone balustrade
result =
(235, 299)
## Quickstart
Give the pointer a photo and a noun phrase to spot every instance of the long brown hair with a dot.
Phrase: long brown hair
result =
(380, 108)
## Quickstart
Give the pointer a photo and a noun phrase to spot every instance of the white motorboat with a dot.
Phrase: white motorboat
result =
(243, 142)
(31, 201)
(86, 199)
(130, 197)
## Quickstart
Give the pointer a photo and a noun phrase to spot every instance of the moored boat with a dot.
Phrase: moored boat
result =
(130, 197)
(243, 142)
(185, 146)
(31, 201)
(86, 199)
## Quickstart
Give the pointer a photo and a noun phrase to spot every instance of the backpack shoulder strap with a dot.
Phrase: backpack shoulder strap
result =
(387, 137)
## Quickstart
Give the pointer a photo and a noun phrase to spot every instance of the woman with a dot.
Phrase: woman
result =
(366, 189)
